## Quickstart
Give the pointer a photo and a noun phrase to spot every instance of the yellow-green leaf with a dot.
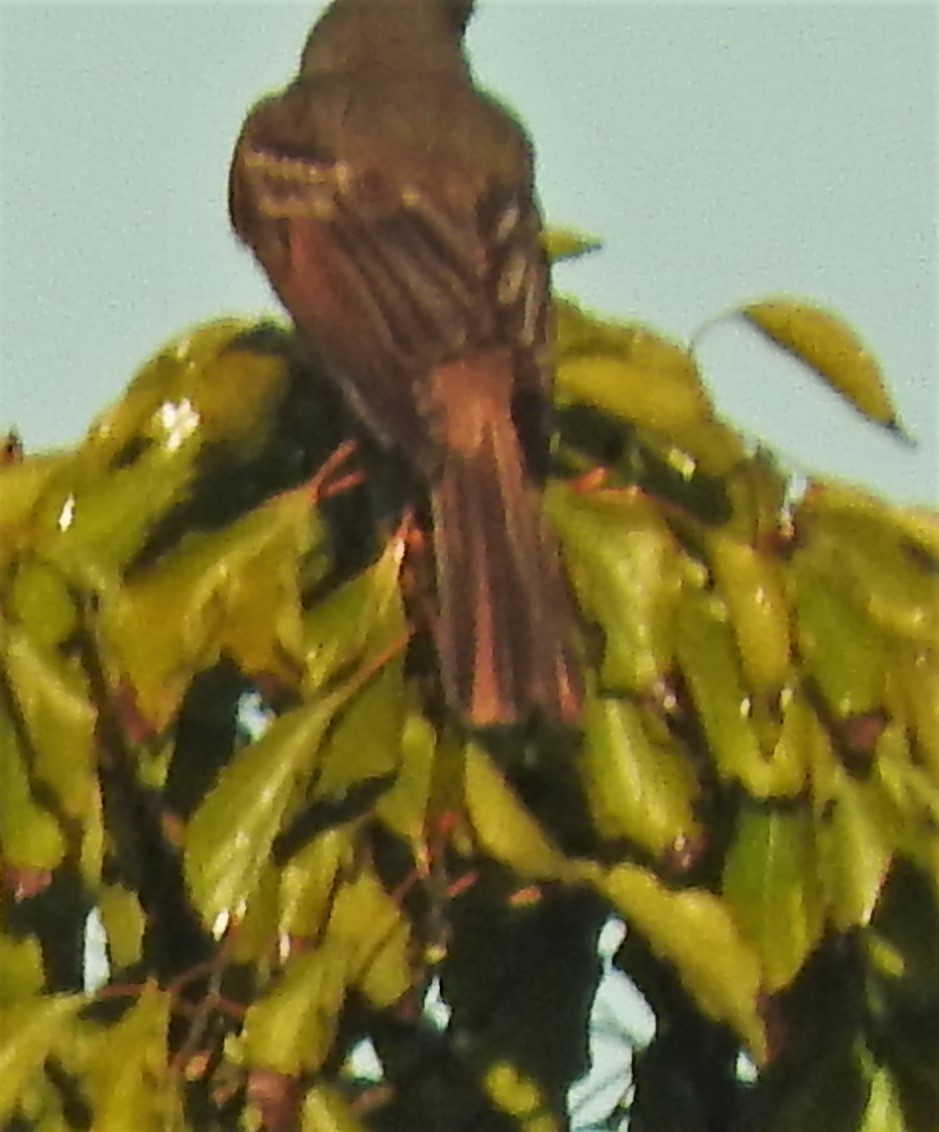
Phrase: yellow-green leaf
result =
(637, 788)
(771, 884)
(229, 838)
(28, 1032)
(628, 572)
(505, 829)
(565, 243)
(827, 345)
(291, 1027)
(21, 969)
(694, 931)
(128, 1078)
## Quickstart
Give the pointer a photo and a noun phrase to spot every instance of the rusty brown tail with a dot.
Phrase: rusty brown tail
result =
(504, 625)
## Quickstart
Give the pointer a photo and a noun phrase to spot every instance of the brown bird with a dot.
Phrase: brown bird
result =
(391, 204)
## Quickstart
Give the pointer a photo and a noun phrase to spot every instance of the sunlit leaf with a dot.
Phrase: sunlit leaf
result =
(124, 923)
(28, 1031)
(654, 385)
(708, 655)
(842, 652)
(628, 572)
(128, 1078)
(363, 615)
(637, 788)
(21, 970)
(564, 243)
(236, 589)
(827, 345)
(291, 1027)
(324, 1110)
(752, 584)
(505, 829)
(30, 837)
(229, 838)
(694, 931)
(52, 702)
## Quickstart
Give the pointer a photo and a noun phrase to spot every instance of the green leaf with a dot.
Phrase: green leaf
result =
(128, 1079)
(874, 558)
(308, 879)
(230, 836)
(855, 850)
(365, 745)
(30, 837)
(653, 384)
(884, 1111)
(53, 705)
(124, 923)
(628, 572)
(827, 345)
(504, 828)
(514, 1092)
(201, 388)
(694, 930)
(236, 590)
(752, 584)
(637, 787)
(28, 1032)
(22, 972)
(324, 1110)
(708, 655)
(21, 485)
(403, 808)
(363, 616)
(40, 600)
(565, 243)
(842, 653)
(770, 882)
(369, 926)
(290, 1029)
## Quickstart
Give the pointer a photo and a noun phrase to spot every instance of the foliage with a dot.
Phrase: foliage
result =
(756, 790)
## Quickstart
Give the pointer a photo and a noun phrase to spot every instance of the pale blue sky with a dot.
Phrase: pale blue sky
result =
(724, 152)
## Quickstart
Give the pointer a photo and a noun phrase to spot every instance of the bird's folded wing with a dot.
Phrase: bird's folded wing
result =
(388, 279)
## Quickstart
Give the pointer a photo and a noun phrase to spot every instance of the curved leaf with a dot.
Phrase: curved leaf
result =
(694, 930)
(827, 345)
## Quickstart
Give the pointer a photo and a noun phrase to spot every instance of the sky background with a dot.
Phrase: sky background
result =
(723, 152)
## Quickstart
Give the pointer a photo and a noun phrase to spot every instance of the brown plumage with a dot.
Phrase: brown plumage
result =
(391, 204)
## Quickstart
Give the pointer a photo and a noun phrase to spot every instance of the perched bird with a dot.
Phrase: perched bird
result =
(391, 204)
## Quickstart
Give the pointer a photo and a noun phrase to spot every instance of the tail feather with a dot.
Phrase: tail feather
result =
(504, 613)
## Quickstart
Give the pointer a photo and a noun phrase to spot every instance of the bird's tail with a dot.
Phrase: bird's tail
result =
(504, 620)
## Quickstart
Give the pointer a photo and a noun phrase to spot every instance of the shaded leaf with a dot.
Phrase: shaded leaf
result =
(30, 837)
(770, 882)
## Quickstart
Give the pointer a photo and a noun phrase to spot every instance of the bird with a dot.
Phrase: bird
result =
(391, 203)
